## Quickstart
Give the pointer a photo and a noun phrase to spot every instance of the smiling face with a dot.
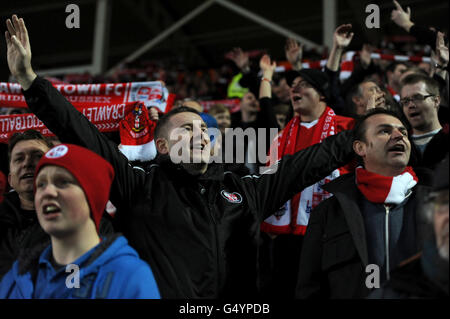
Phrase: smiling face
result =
(24, 157)
(61, 205)
(422, 115)
(186, 140)
(385, 149)
(304, 97)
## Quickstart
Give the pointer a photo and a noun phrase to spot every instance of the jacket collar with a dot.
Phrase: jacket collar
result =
(214, 171)
(345, 190)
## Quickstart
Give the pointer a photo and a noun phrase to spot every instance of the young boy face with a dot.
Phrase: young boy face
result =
(61, 205)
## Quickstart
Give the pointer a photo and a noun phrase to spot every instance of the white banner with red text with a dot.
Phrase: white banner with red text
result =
(152, 94)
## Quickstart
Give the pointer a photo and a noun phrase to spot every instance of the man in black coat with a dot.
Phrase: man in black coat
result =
(426, 275)
(194, 223)
(19, 227)
(370, 220)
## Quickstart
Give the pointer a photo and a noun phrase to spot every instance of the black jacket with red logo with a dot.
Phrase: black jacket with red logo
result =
(199, 234)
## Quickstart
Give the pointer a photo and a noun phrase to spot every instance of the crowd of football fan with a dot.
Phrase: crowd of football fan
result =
(351, 202)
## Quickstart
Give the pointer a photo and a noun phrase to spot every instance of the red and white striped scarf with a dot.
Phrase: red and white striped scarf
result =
(385, 189)
(293, 217)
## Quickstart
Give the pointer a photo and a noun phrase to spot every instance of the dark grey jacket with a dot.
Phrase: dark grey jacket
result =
(334, 253)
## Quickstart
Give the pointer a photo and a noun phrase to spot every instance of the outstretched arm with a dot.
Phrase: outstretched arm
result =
(19, 52)
(295, 172)
(59, 116)
(341, 39)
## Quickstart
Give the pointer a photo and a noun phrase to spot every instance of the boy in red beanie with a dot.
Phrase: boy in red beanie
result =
(72, 187)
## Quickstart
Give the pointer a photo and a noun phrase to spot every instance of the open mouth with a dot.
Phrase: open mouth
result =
(27, 176)
(414, 115)
(51, 210)
(399, 148)
(297, 98)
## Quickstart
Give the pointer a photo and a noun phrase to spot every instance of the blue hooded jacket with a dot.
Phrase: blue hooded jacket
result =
(110, 270)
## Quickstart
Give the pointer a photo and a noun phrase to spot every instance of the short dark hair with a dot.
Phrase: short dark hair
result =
(164, 120)
(431, 84)
(359, 130)
(355, 91)
(393, 65)
(26, 136)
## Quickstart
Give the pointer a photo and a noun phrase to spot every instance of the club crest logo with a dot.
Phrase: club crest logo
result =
(281, 211)
(234, 198)
(58, 151)
(138, 119)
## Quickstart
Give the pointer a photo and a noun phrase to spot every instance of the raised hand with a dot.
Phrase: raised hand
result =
(343, 36)
(266, 65)
(441, 50)
(294, 53)
(240, 58)
(19, 51)
(401, 17)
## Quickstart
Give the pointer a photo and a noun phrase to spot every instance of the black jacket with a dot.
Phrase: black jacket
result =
(410, 281)
(334, 253)
(199, 234)
(434, 153)
(17, 232)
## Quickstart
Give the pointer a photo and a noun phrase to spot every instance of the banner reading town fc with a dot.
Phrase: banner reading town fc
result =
(152, 94)
(106, 118)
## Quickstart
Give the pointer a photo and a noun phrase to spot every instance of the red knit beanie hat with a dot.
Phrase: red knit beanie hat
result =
(94, 174)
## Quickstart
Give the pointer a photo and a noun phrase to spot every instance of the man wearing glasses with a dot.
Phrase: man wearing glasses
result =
(420, 101)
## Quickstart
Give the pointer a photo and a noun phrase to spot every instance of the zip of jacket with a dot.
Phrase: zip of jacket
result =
(386, 241)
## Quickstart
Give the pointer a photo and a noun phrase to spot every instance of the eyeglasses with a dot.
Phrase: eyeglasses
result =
(415, 98)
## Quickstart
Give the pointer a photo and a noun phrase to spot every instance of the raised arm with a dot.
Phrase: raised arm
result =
(295, 172)
(341, 39)
(267, 68)
(59, 116)
(440, 57)
(401, 17)
(294, 53)
(19, 52)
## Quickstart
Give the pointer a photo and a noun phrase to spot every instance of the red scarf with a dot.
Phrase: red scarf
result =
(294, 215)
(385, 189)
(394, 94)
